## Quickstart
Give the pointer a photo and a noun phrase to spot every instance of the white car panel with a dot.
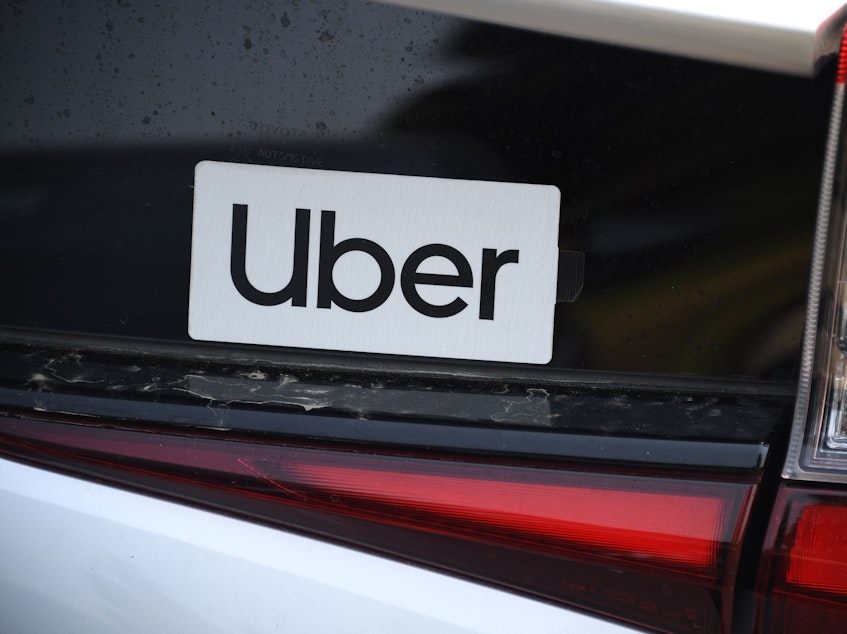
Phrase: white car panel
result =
(84, 557)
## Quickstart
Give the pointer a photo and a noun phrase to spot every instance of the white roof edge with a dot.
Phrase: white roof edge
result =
(793, 39)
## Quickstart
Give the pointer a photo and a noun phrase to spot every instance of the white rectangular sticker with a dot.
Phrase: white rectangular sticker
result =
(373, 263)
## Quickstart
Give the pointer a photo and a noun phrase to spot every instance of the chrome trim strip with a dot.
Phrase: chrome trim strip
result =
(786, 37)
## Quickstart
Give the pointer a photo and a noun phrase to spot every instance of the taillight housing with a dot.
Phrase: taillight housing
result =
(802, 583)
(654, 548)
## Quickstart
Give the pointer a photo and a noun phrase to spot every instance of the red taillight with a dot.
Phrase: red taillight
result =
(664, 525)
(679, 524)
(803, 585)
(656, 550)
(819, 558)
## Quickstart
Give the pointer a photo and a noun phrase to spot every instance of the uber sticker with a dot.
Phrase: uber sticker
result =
(373, 263)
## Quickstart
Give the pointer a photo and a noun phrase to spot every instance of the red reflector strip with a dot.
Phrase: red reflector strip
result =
(651, 521)
(841, 74)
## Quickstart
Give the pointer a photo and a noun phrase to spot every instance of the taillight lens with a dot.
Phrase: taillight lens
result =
(803, 585)
(658, 550)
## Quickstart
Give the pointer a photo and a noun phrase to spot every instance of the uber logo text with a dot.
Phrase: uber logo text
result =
(328, 295)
